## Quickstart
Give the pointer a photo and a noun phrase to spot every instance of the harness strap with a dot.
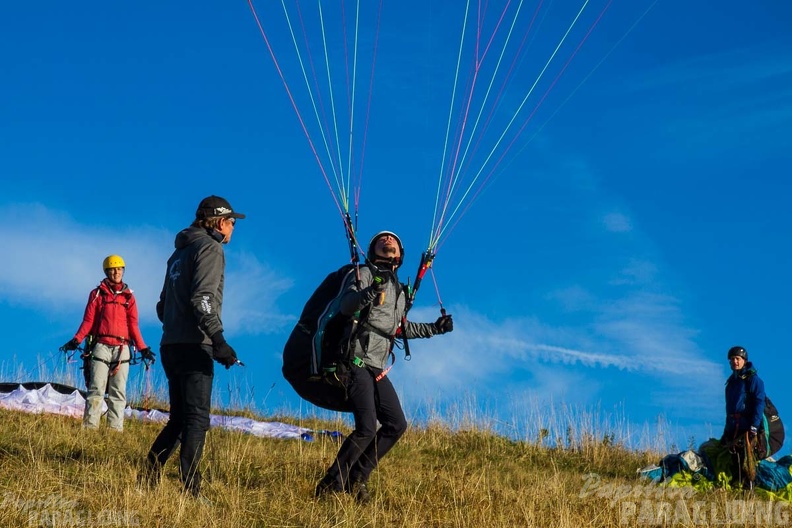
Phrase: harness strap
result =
(371, 328)
(357, 362)
(100, 293)
(120, 338)
(383, 373)
(736, 417)
(112, 365)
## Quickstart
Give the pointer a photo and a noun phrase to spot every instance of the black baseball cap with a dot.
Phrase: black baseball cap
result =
(216, 206)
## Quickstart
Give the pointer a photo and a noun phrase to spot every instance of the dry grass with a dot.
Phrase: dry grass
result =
(54, 473)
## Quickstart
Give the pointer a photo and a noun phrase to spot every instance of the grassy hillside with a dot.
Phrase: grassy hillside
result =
(54, 473)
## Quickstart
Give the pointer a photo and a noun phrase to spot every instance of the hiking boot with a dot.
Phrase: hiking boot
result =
(360, 492)
(327, 486)
(201, 499)
(148, 477)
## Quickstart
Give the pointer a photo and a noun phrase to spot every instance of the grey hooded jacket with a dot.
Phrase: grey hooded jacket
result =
(385, 316)
(191, 301)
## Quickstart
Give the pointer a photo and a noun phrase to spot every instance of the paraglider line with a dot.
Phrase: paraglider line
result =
(294, 104)
(498, 142)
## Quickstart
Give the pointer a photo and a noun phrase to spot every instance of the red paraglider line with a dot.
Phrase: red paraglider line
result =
(469, 100)
(481, 135)
(325, 124)
(549, 88)
(359, 182)
(502, 88)
(346, 58)
(294, 105)
(528, 119)
(494, 31)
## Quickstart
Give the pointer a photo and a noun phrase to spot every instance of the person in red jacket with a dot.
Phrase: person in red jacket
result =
(111, 324)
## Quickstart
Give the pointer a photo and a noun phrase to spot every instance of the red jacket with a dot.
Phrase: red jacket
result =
(111, 316)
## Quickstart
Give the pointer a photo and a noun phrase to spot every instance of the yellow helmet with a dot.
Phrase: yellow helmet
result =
(113, 261)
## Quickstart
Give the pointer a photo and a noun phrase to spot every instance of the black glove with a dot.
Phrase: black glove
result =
(72, 344)
(444, 324)
(380, 280)
(222, 351)
(149, 357)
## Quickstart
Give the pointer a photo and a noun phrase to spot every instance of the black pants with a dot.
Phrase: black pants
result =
(190, 373)
(371, 401)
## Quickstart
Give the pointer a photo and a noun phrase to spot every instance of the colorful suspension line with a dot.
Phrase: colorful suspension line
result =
(453, 199)
(427, 258)
(337, 147)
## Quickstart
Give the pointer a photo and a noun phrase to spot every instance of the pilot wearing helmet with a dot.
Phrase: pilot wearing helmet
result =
(370, 393)
(110, 323)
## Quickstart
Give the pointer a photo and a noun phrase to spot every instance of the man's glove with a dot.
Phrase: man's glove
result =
(149, 357)
(72, 344)
(444, 324)
(380, 280)
(222, 351)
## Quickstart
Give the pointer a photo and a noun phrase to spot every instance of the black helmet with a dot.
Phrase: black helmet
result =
(371, 256)
(738, 351)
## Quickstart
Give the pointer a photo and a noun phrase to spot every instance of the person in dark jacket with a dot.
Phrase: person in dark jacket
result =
(745, 397)
(110, 323)
(370, 392)
(190, 308)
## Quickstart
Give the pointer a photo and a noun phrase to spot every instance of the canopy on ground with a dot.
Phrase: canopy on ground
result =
(709, 467)
(55, 398)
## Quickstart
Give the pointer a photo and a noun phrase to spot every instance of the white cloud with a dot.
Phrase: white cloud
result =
(610, 326)
(617, 223)
(635, 273)
(641, 335)
(723, 71)
(572, 298)
(56, 261)
(250, 296)
(646, 340)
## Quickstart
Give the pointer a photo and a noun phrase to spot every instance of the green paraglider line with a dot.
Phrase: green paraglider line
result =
(440, 231)
(490, 176)
(294, 105)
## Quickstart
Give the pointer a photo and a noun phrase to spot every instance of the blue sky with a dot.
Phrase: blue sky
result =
(637, 229)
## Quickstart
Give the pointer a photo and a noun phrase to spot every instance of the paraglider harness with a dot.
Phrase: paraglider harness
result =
(770, 436)
(333, 370)
(86, 353)
(410, 291)
(322, 349)
(335, 357)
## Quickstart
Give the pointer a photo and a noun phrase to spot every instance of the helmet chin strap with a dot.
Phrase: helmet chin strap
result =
(391, 262)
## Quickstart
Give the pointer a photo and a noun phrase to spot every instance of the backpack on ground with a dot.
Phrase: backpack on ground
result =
(314, 355)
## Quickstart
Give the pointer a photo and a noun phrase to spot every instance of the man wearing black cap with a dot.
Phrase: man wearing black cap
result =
(190, 309)
(370, 393)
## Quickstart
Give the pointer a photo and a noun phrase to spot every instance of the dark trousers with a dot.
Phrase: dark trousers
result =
(190, 373)
(371, 401)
